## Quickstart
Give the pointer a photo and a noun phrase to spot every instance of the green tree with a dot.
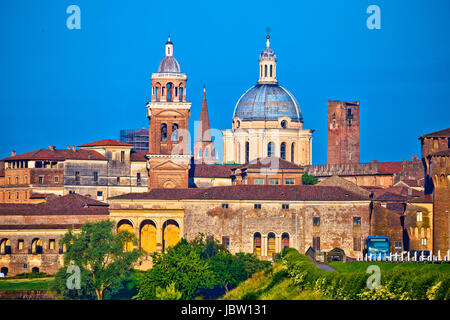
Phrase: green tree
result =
(100, 255)
(309, 179)
(182, 265)
(229, 270)
(168, 293)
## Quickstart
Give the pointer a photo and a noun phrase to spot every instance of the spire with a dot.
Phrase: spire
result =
(204, 133)
(268, 41)
(267, 64)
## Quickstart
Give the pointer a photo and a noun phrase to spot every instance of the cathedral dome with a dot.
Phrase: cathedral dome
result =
(169, 65)
(267, 102)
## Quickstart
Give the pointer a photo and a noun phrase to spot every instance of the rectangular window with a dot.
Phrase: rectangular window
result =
(77, 177)
(424, 241)
(138, 178)
(259, 181)
(274, 181)
(56, 179)
(290, 181)
(398, 246)
(224, 205)
(17, 180)
(20, 244)
(118, 180)
(435, 143)
(9, 180)
(257, 206)
(419, 216)
(122, 156)
(356, 221)
(356, 244)
(25, 179)
(285, 206)
(316, 221)
(51, 244)
(41, 179)
(226, 241)
(95, 176)
(316, 243)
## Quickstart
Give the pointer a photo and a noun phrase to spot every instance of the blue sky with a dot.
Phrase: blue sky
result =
(68, 87)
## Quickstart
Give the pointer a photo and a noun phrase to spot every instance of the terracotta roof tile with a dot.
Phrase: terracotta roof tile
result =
(250, 192)
(105, 142)
(211, 170)
(269, 162)
(424, 199)
(58, 155)
(71, 204)
(437, 134)
(139, 155)
(389, 167)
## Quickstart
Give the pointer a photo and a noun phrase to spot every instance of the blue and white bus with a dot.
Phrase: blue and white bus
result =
(377, 247)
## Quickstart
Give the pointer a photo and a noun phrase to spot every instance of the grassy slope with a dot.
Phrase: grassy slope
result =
(25, 284)
(274, 286)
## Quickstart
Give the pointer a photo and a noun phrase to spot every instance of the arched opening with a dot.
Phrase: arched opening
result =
(158, 91)
(181, 93)
(163, 132)
(200, 153)
(5, 246)
(283, 150)
(171, 234)
(206, 152)
(175, 132)
(4, 270)
(271, 70)
(148, 236)
(270, 149)
(270, 244)
(35, 270)
(257, 243)
(125, 225)
(247, 152)
(284, 240)
(169, 91)
(36, 246)
(293, 152)
(265, 70)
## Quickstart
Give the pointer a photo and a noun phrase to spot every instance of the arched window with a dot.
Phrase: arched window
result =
(164, 132)
(35, 270)
(199, 153)
(283, 150)
(162, 91)
(270, 149)
(181, 93)
(148, 236)
(247, 152)
(5, 246)
(174, 132)
(270, 70)
(169, 91)
(285, 240)
(36, 246)
(125, 225)
(257, 243)
(171, 234)
(260, 72)
(265, 70)
(206, 153)
(4, 270)
(270, 244)
(292, 151)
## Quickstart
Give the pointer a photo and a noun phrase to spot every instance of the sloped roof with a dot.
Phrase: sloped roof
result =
(70, 204)
(424, 199)
(57, 154)
(105, 143)
(437, 134)
(336, 181)
(250, 192)
(138, 155)
(203, 170)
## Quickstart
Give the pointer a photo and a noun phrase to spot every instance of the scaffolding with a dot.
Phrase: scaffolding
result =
(138, 138)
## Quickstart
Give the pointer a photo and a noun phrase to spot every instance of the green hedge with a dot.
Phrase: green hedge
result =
(395, 284)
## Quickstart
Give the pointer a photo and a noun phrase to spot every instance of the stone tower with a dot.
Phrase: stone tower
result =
(168, 114)
(204, 146)
(343, 132)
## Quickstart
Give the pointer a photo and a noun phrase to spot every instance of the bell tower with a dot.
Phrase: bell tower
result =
(168, 114)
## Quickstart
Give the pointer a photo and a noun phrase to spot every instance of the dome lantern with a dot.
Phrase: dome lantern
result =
(267, 65)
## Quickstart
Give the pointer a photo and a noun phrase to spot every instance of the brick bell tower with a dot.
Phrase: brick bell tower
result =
(204, 146)
(168, 113)
(343, 132)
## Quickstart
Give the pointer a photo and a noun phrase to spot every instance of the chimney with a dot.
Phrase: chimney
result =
(74, 148)
(51, 147)
(13, 153)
